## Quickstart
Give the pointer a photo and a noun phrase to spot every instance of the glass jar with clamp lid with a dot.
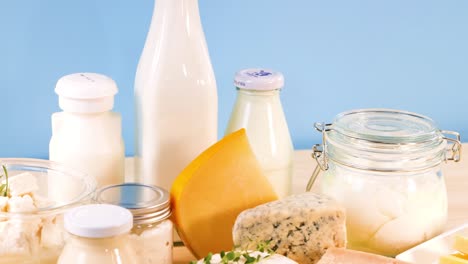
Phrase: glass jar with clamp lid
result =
(384, 166)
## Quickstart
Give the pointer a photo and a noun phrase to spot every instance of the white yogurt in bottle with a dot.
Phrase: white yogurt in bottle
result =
(87, 136)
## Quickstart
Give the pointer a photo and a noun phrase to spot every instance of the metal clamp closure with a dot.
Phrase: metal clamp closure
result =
(318, 154)
(455, 148)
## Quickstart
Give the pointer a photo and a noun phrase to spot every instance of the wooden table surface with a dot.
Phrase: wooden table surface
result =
(455, 175)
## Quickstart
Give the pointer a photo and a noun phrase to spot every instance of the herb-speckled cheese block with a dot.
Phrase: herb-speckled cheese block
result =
(263, 258)
(301, 227)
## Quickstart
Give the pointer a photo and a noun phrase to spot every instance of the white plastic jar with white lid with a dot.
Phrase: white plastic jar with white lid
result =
(99, 235)
(152, 233)
(258, 109)
(87, 135)
(384, 166)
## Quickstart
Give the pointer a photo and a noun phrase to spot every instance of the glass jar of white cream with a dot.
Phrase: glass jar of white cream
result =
(99, 235)
(384, 166)
(152, 233)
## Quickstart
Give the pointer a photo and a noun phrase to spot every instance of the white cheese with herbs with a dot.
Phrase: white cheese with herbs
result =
(263, 257)
(301, 227)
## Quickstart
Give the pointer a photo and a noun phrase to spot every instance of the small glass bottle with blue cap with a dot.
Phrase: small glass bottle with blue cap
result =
(258, 109)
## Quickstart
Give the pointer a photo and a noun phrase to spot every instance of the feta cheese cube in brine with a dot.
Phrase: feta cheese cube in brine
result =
(21, 204)
(24, 183)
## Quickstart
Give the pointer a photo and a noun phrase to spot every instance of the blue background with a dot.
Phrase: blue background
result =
(335, 55)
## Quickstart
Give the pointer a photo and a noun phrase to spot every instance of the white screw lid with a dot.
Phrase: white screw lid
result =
(259, 79)
(98, 221)
(86, 93)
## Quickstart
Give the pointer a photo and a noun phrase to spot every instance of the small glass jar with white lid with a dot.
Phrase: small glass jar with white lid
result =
(152, 233)
(99, 235)
(384, 166)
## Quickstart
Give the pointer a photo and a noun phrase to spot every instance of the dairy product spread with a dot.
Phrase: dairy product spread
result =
(300, 226)
(26, 237)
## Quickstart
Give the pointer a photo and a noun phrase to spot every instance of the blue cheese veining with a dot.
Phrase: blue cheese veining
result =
(301, 227)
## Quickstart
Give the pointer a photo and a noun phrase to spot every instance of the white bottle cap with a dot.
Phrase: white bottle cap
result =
(98, 220)
(86, 93)
(259, 79)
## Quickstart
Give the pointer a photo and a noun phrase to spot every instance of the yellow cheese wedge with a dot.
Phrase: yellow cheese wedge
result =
(208, 195)
(457, 258)
(461, 244)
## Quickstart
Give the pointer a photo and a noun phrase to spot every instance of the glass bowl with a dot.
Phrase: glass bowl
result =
(37, 236)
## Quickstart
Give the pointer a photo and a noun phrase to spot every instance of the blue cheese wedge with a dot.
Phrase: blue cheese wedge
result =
(301, 227)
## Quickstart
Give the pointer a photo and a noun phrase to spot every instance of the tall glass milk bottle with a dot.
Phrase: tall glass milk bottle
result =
(175, 94)
(258, 109)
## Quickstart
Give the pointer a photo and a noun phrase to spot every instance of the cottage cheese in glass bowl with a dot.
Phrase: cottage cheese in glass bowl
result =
(31, 214)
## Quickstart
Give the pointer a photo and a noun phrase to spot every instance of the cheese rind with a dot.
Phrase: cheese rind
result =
(347, 256)
(300, 227)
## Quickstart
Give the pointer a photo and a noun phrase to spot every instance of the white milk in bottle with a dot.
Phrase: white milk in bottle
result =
(175, 94)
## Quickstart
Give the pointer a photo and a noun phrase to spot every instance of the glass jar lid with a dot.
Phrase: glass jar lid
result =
(386, 126)
(148, 204)
(383, 141)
